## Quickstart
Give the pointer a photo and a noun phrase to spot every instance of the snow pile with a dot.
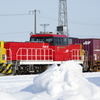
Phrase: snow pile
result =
(64, 82)
(6, 96)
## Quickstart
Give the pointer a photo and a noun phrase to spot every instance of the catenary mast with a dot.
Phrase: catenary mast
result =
(62, 17)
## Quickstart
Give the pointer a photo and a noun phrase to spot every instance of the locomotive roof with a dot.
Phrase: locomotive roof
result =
(48, 35)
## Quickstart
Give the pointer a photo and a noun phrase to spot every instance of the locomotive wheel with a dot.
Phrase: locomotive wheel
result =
(96, 68)
(21, 70)
(85, 67)
(45, 67)
(40, 68)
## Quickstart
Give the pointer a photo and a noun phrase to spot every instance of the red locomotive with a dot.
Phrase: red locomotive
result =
(38, 54)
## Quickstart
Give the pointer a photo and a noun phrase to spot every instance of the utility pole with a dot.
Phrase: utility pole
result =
(44, 26)
(34, 12)
(62, 17)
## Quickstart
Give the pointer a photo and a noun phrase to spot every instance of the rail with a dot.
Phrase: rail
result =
(35, 54)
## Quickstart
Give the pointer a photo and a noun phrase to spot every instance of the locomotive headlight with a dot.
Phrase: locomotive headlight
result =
(67, 50)
(3, 57)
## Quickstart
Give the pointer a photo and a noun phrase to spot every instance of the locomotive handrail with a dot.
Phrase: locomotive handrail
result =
(34, 54)
(9, 54)
(76, 54)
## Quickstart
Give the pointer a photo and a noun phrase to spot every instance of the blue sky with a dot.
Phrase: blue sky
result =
(83, 18)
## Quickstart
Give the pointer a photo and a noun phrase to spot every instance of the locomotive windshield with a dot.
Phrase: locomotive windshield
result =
(37, 39)
(62, 41)
(41, 39)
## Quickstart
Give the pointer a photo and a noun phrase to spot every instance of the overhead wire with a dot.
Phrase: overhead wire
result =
(52, 18)
(15, 32)
(14, 14)
(84, 23)
(47, 17)
(70, 21)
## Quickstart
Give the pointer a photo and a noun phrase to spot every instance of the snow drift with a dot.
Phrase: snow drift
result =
(64, 82)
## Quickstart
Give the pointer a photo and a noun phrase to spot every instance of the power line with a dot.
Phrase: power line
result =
(14, 14)
(16, 32)
(47, 17)
(53, 18)
(83, 23)
(70, 21)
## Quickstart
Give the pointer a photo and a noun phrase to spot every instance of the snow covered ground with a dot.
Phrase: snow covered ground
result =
(66, 82)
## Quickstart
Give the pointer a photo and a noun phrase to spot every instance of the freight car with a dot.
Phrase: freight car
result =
(36, 55)
(92, 48)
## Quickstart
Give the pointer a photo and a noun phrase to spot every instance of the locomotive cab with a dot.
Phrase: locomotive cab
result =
(52, 39)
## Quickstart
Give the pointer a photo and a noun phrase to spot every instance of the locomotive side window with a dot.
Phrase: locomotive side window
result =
(32, 39)
(61, 41)
(49, 40)
(37, 39)
(65, 41)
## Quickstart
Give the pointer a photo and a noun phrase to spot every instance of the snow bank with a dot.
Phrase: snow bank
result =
(64, 82)
(6, 96)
